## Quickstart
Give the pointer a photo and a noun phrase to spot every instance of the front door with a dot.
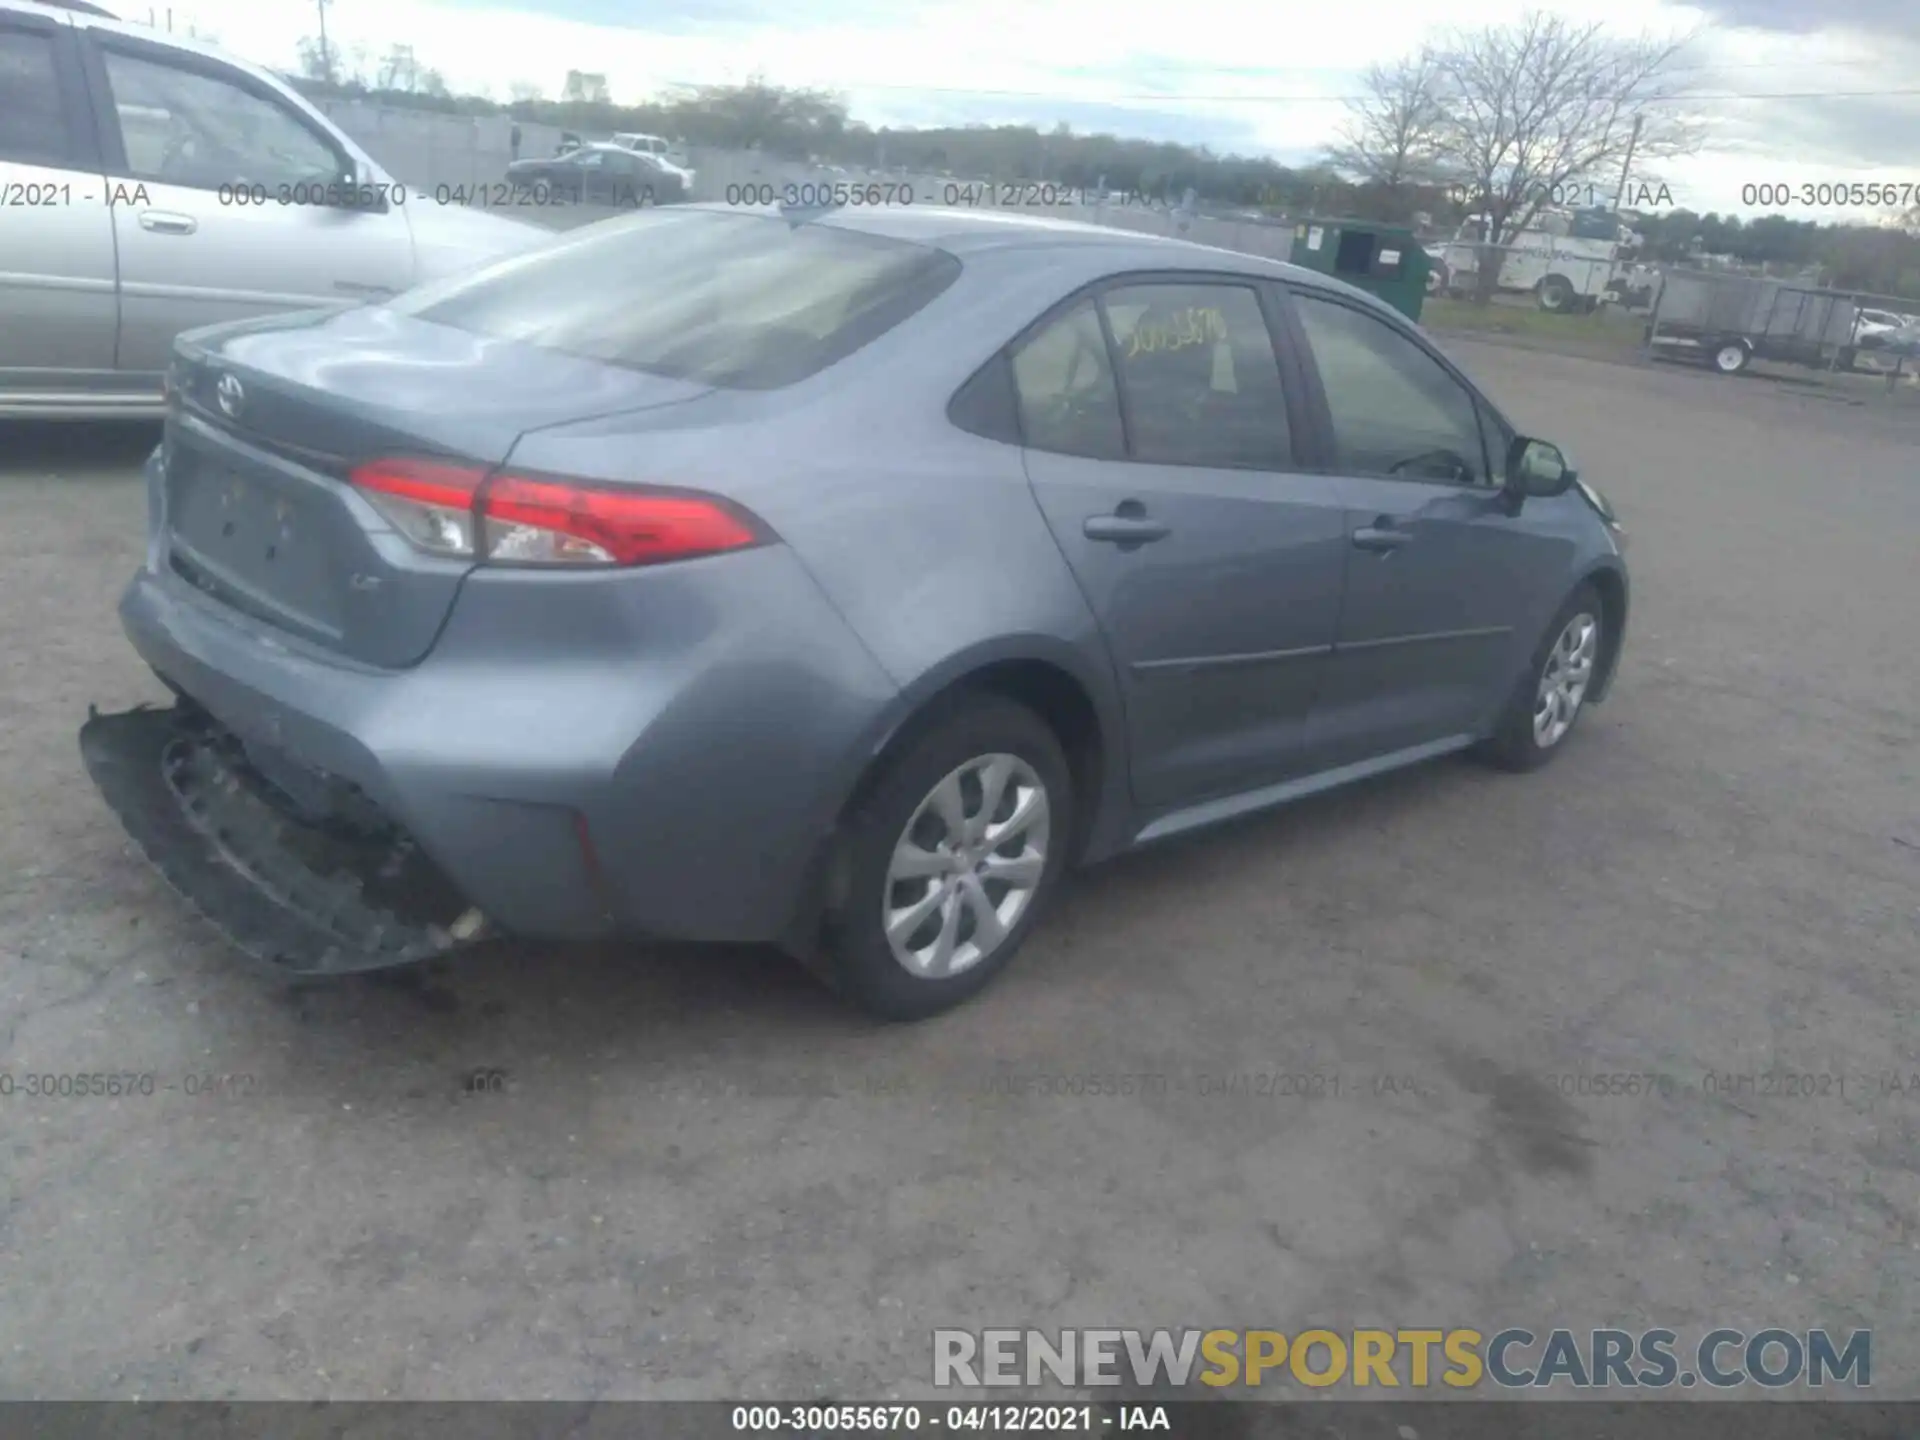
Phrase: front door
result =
(1213, 563)
(214, 179)
(1445, 582)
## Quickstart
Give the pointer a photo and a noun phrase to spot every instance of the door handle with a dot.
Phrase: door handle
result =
(1380, 537)
(1129, 525)
(165, 222)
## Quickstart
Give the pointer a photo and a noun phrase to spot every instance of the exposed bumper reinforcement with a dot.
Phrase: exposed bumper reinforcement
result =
(305, 898)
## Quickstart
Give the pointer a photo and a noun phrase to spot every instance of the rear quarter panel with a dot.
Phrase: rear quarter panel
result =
(924, 539)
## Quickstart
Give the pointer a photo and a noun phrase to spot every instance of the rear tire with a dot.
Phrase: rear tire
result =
(960, 905)
(1730, 357)
(1564, 665)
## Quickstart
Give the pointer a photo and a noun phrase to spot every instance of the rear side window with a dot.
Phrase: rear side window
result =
(33, 126)
(747, 302)
(1064, 382)
(1199, 374)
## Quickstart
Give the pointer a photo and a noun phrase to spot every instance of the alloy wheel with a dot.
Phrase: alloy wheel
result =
(1564, 680)
(967, 866)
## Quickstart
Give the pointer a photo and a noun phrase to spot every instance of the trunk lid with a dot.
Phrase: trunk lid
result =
(269, 417)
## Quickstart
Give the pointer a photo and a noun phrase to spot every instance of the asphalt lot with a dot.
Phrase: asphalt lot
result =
(690, 1173)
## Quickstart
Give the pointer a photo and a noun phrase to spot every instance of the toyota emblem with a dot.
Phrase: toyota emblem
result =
(231, 394)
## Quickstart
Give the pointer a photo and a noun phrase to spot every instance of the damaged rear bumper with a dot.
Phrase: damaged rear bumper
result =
(307, 893)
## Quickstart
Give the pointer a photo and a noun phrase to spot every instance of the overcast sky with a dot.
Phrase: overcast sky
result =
(1234, 74)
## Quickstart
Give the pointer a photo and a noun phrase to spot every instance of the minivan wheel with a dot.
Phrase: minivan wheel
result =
(1553, 692)
(949, 861)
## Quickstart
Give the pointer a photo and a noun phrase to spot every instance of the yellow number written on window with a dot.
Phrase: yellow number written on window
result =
(1183, 330)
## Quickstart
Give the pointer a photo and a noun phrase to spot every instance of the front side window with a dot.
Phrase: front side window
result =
(192, 128)
(743, 301)
(1396, 411)
(1065, 387)
(1198, 371)
(1499, 437)
(33, 126)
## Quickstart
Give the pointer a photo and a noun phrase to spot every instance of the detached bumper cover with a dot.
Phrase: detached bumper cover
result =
(327, 897)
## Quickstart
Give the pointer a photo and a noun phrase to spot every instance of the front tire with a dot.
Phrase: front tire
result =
(949, 860)
(1551, 696)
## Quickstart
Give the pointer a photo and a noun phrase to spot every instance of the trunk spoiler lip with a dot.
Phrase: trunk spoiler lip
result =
(201, 821)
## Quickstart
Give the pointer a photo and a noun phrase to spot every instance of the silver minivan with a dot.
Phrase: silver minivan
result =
(150, 184)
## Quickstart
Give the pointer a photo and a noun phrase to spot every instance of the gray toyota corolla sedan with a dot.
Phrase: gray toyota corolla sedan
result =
(831, 581)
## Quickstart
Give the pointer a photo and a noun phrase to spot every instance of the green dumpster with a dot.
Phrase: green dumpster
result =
(1384, 260)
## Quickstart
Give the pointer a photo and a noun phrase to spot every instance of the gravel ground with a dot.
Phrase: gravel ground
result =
(692, 1174)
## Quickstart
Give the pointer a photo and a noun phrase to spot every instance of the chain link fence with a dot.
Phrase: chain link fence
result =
(1583, 296)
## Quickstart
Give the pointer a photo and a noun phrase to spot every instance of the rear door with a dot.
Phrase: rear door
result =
(212, 174)
(1159, 425)
(56, 238)
(1445, 584)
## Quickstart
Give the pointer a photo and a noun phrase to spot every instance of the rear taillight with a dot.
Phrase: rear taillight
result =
(430, 502)
(463, 511)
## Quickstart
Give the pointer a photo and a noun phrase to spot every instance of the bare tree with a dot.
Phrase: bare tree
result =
(1389, 138)
(522, 92)
(317, 61)
(1535, 112)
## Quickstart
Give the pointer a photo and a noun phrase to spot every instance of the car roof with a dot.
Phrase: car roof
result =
(960, 231)
(100, 18)
(1099, 249)
(84, 7)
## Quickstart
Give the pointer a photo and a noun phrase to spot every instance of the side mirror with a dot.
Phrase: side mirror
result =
(1536, 469)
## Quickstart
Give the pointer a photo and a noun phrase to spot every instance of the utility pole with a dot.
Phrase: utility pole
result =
(1626, 166)
(326, 57)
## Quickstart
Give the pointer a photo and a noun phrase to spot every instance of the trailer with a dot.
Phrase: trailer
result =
(1729, 321)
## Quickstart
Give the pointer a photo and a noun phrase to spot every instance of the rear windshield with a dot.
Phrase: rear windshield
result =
(749, 302)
